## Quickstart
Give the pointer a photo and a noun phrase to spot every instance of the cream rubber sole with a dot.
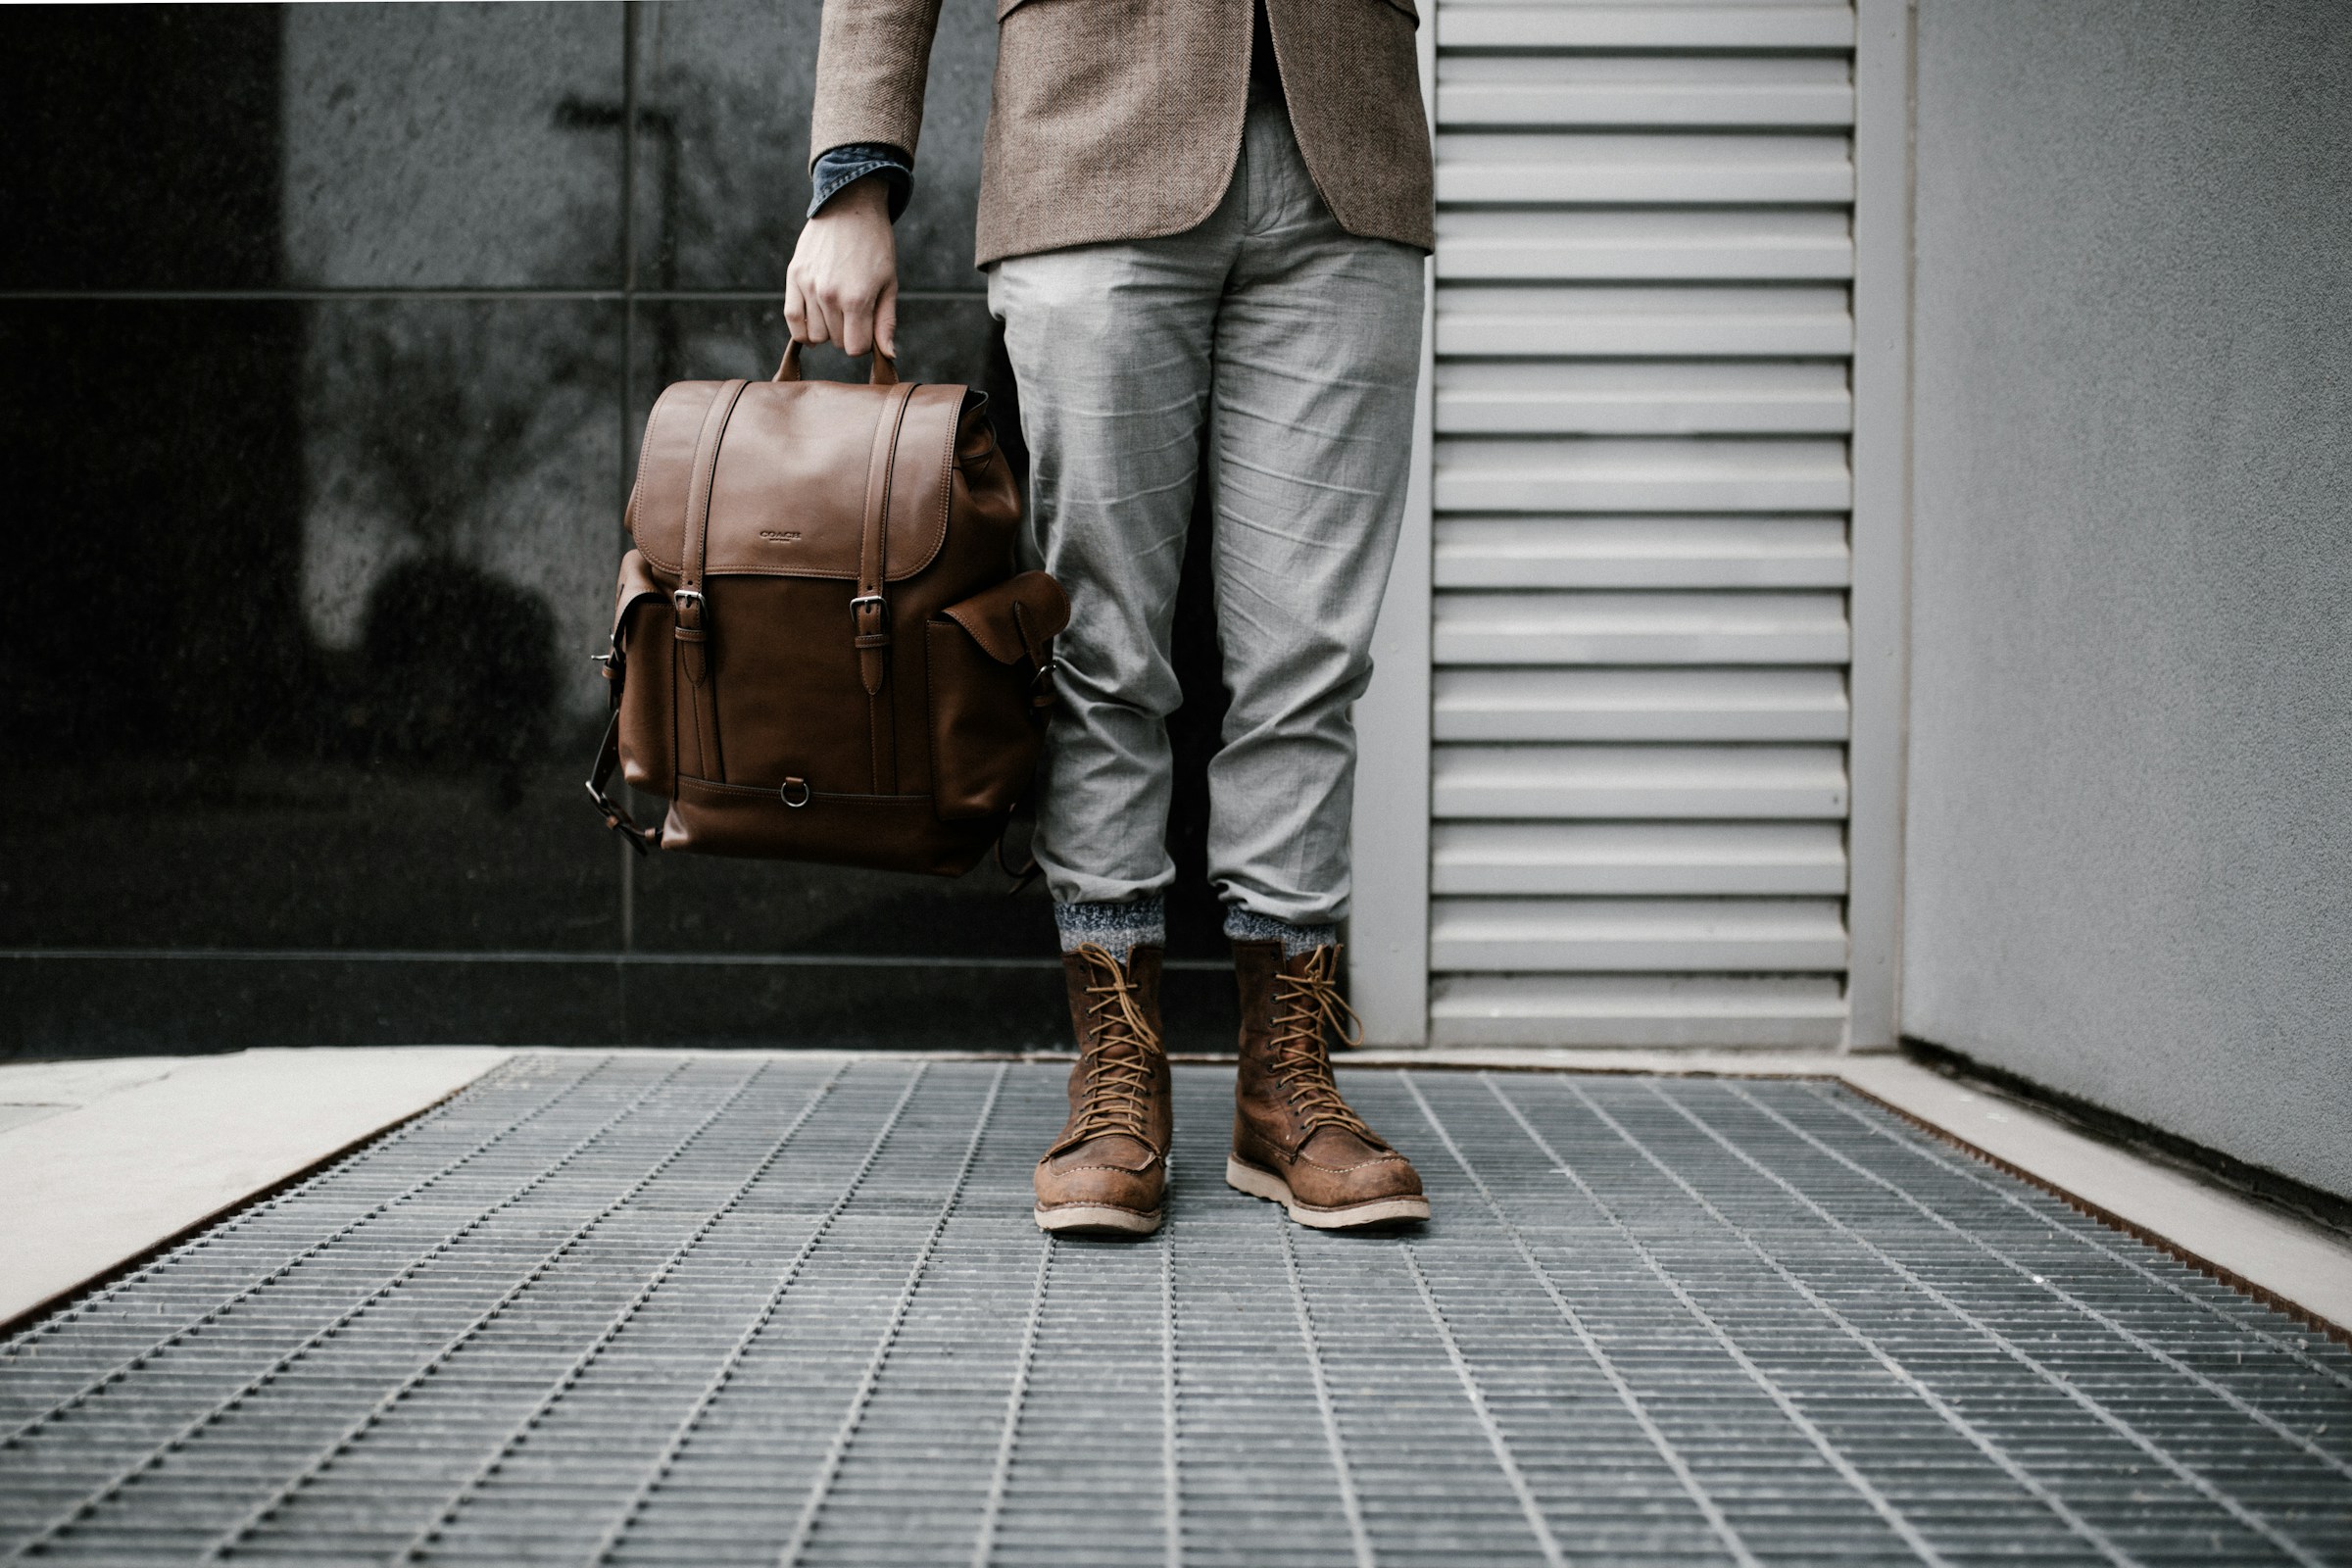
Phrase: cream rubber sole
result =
(1101, 1218)
(1247, 1178)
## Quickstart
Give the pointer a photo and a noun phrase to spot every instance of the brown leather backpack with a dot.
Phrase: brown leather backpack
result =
(821, 648)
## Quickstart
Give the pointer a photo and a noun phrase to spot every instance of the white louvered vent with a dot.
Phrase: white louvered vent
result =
(1640, 487)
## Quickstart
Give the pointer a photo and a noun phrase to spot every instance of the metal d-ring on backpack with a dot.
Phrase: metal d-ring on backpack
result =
(820, 647)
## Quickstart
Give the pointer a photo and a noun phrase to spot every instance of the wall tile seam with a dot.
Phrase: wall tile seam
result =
(607, 296)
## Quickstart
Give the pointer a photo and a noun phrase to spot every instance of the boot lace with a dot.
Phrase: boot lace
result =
(1306, 1006)
(1120, 1061)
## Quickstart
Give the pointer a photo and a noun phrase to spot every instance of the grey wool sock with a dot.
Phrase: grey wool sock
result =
(1244, 925)
(1116, 929)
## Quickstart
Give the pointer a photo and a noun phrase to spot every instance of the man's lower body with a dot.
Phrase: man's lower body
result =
(1294, 348)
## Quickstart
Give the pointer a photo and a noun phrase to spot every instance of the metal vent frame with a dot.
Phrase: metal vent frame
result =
(1661, 503)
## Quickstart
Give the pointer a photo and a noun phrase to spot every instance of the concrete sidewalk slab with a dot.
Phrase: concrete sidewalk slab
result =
(105, 1160)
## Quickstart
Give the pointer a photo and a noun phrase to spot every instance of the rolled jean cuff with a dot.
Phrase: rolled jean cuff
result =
(840, 167)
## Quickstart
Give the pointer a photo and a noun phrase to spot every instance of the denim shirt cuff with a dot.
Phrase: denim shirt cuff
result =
(844, 166)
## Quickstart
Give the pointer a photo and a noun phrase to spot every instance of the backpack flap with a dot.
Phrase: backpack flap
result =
(789, 492)
(1017, 619)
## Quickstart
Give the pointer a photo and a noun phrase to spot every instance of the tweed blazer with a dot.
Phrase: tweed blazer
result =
(1116, 119)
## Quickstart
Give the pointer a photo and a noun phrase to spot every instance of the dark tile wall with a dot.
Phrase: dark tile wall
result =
(325, 333)
(144, 147)
(723, 145)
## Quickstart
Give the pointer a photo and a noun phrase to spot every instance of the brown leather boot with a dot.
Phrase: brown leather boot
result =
(1295, 1141)
(1109, 1171)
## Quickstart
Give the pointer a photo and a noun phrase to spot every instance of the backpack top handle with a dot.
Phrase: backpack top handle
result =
(885, 372)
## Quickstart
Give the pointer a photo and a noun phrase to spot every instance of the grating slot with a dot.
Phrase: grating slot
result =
(735, 1310)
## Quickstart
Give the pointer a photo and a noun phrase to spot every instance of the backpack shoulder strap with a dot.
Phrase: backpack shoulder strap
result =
(637, 588)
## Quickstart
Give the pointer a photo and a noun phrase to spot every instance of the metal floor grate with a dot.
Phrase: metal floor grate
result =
(723, 1309)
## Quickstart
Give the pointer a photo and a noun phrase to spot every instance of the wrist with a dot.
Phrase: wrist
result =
(865, 196)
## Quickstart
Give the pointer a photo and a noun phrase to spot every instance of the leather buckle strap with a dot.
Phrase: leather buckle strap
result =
(686, 627)
(613, 666)
(870, 641)
(688, 596)
(870, 610)
(1041, 689)
(615, 815)
(699, 713)
(1042, 661)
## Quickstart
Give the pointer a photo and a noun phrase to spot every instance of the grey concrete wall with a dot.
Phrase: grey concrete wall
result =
(2129, 840)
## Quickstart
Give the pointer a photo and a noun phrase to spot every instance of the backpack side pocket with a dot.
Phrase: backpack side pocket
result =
(989, 669)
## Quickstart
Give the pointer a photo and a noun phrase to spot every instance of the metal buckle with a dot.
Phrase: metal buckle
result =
(617, 820)
(679, 595)
(866, 598)
(1041, 689)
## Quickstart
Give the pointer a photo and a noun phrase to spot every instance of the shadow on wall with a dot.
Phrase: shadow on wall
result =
(454, 452)
(455, 667)
(436, 460)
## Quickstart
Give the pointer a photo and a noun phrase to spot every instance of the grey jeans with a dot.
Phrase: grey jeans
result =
(1296, 345)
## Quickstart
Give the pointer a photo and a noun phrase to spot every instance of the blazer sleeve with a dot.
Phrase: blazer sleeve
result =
(872, 58)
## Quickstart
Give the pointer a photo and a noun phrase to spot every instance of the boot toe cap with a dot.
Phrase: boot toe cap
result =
(1109, 1173)
(1335, 1170)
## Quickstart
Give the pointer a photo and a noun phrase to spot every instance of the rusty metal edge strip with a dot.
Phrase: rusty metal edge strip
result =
(2114, 1221)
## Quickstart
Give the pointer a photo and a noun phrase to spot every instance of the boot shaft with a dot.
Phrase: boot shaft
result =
(1080, 974)
(1290, 1006)
(1256, 968)
(1105, 1024)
